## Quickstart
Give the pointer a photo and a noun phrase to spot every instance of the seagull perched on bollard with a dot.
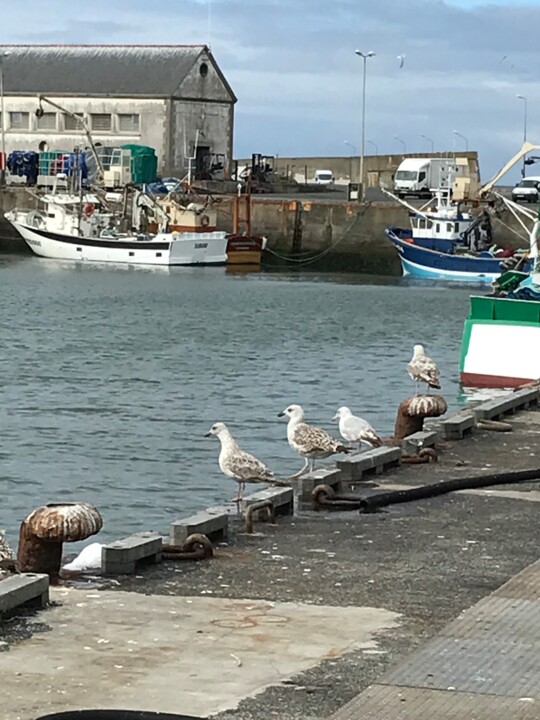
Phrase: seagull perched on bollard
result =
(422, 369)
(356, 429)
(311, 443)
(238, 464)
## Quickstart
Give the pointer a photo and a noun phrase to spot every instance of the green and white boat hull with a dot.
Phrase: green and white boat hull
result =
(501, 343)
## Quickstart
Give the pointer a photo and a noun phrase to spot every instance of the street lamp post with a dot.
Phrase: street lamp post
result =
(522, 97)
(374, 145)
(3, 116)
(351, 146)
(463, 138)
(430, 141)
(364, 57)
(396, 137)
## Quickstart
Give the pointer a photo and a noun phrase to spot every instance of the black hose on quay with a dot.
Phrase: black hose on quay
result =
(374, 502)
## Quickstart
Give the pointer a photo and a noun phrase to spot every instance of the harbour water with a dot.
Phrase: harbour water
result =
(112, 376)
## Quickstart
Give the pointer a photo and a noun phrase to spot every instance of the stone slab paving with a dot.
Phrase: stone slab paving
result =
(485, 664)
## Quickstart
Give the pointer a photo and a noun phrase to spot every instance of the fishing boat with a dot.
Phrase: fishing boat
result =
(243, 248)
(444, 243)
(78, 227)
(501, 337)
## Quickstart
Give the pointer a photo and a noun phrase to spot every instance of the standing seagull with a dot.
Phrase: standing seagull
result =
(423, 369)
(237, 464)
(309, 442)
(7, 558)
(356, 429)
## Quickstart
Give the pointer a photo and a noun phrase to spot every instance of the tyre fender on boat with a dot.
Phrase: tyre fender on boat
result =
(205, 221)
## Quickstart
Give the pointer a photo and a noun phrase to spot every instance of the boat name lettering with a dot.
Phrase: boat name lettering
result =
(37, 243)
(200, 245)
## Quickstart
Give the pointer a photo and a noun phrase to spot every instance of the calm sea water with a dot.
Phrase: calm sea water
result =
(111, 376)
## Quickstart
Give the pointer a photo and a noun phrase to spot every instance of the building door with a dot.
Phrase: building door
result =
(202, 160)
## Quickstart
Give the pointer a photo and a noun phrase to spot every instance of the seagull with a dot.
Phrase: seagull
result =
(356, 429)
(88, 559)
(7, 557)
(422, 368)
(401, 59)
(309, 442)
(238, 464)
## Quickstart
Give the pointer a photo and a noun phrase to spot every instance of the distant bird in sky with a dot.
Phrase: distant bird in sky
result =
(401, 59)
(504, 58)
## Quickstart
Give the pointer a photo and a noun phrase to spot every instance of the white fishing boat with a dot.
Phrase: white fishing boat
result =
(78, 228)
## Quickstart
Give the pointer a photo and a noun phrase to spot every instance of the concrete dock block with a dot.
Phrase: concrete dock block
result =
(377, 460)
(27, 589)
(282, 499)
(323, 476)
(214, 523)
(122, 556)
(455, 427)
(494, 409)
(412, 444)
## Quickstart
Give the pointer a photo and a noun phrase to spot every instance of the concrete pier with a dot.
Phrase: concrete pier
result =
(349, 235)
(318, 615)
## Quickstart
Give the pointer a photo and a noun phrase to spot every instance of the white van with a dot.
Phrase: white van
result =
(324, 177)
(527, 190)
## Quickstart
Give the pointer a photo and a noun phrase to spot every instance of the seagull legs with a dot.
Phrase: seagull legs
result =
(302, 471)
(312, 464)
(240, 493)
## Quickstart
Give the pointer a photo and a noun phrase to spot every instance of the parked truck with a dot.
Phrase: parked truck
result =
(419, 176)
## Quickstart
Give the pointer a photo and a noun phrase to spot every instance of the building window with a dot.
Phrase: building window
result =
(203, 69)
(72, 123)
(47, 121)
(101, 122)
(128, 122)
(18, 120)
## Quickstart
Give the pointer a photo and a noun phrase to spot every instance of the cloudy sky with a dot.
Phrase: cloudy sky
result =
(298, 81)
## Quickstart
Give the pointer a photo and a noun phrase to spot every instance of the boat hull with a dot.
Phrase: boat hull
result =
(501, 343)
(203, 249)
(429, 264)
(244, 250)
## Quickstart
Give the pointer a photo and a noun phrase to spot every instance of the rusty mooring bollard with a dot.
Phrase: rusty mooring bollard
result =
(46, 529)
(413, 411)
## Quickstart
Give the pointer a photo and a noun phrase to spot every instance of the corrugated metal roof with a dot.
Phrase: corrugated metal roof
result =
(117, 70)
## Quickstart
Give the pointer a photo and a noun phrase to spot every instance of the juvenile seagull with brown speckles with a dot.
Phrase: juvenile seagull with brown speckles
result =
(311, 443)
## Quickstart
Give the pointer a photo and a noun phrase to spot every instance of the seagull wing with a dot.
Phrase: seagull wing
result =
(313, 439)
(246, 468)
(357, 428)
(428, 371)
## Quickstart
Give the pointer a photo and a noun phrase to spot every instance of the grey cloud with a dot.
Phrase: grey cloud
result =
(292, 64)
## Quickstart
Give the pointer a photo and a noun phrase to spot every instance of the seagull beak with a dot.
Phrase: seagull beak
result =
(281, 414)
(336, 417)
(207, 434)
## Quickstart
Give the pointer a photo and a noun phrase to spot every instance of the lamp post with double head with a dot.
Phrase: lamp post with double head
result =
(364, 57)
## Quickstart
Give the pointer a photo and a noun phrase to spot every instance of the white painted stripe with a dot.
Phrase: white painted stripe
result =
(415, 270)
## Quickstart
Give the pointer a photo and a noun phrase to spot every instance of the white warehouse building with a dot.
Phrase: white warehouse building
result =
(173, 98)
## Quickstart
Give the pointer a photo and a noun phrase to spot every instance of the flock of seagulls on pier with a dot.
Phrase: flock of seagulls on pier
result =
(310, 442)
